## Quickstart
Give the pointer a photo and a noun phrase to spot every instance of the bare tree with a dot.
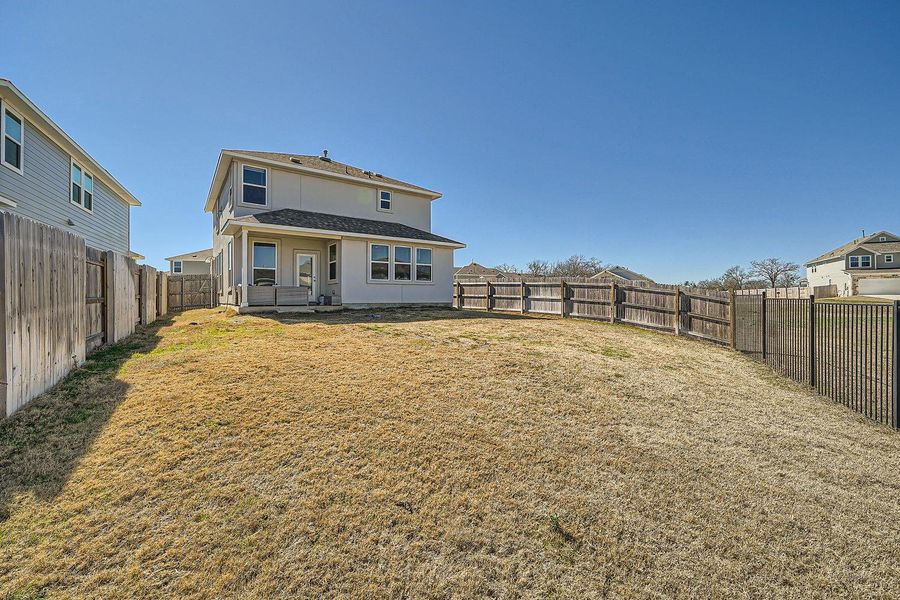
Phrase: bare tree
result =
(577, 266)
(774, 270)
(538, 267)
(735, 278)
(507, 268)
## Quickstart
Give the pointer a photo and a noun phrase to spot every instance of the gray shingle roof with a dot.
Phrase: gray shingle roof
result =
(849, 246)
(313, 220)
(623, 272)
(331, 166)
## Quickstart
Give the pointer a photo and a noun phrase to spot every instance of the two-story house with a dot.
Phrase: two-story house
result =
(46, 176)
(293, 229)
(190, 263)
(867, 266)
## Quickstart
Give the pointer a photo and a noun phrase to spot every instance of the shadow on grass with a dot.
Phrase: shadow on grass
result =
(391, 315)
(42, 443)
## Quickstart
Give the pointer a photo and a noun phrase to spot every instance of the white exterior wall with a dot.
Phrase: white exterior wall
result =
(358, 290)
(289, 189)
(830, 273)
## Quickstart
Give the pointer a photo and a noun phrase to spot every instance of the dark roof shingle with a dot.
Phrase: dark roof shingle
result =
(313, 220)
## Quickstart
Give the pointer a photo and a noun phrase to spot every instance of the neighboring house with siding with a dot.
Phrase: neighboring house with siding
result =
(46, 176)
(476, 272)
(191, 263)
(869, 265)
(289, 229)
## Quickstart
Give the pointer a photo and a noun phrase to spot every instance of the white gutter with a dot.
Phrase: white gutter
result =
(325, 233)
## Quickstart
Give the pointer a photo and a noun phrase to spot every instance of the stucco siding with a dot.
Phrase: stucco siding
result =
(42, 193)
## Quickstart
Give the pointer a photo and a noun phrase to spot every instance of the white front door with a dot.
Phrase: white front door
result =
(307, 274)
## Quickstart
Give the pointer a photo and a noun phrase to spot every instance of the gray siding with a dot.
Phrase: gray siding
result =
(42, 194)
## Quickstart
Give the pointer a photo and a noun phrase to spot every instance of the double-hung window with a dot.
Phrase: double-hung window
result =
(176, 266)
(888, 258)
(860, 262)
(254, 191)
(402, 263)
(13, 139)
(82, 185)
(265, 259)
(385, 201)
(379, 262)
(332, 262)
(423, 264)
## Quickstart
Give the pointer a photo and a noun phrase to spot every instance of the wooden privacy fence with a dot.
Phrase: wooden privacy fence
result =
(683, 311)
(191, 291)
(819, 291)
(846, 351)
(60, 300)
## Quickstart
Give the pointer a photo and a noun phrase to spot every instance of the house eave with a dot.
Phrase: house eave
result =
(233, 227)
(50, 129)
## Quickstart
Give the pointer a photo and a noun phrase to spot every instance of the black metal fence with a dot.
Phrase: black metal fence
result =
(846, 351)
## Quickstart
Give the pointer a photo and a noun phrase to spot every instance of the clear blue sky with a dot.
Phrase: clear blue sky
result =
(674, 138)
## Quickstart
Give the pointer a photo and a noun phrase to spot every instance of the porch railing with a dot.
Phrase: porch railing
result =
(278, 295)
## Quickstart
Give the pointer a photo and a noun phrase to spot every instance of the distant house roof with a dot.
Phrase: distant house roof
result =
(200, 255)
(473, 269)
(323, 222)
(869, 241)
(621, 273)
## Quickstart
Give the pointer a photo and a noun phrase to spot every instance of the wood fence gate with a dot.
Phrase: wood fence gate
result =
(192, 291)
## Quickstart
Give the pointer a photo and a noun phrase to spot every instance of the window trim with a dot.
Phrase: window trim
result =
(889, 258)
(84, 173)
(4, 106)
(416, 262)
(859, 261)
(390, 207)
(369, 262)
(264, 187)
(394, 262)
(180, 267)
(253, 243)
(882, 238)
(329, 261)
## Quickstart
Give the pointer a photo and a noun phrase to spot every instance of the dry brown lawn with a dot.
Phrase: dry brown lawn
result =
(440, 454)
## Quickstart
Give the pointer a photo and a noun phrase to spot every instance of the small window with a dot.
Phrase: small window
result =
(82, 187)
(888, 258)
(380, 262)
(385, 201)
(13, 140)
(423, 264)
(88, 193)
(882, 239)
(176, 266)
(254, 186)
(76, 184)
(865, 262)
(265, 257)
(332, 262)
(402, 263)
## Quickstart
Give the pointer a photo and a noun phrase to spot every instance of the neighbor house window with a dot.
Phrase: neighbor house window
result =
(254, 185)
(860, 262)
(265, 257)
(423, 264)
(82, 187)
(882, 239)
(888, 258)
(13, 139)
(379, 261)
(176, 266)
(402, 263)
(332, 262)
(385, 200)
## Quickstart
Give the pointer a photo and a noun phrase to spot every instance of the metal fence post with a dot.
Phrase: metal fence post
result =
(812, 340)
(490, 295)
(523, 296)
(895, 367)
(765, 333)
(562, 298)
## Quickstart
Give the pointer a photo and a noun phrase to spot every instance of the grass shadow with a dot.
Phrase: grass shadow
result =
(43, 442)
(389, 315)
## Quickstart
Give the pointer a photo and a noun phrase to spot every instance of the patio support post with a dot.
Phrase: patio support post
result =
(245, 259)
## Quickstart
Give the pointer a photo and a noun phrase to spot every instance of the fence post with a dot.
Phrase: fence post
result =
(109, 292)
(458, 286)
(490, 294)
(812, 340)
(562, 298)
(765, 332)
(523, 296)
(895, 366)
(677, 311)
(732, 315)
(613, 301)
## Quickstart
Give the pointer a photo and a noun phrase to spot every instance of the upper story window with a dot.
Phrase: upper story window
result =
(82, 187)
(882, 239)
(176, 266)
(13, 139)
(385, 201)
(423, 264)
(254, 180)
(860, 262)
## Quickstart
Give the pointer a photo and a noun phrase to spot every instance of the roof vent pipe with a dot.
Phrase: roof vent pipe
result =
(325, 155)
